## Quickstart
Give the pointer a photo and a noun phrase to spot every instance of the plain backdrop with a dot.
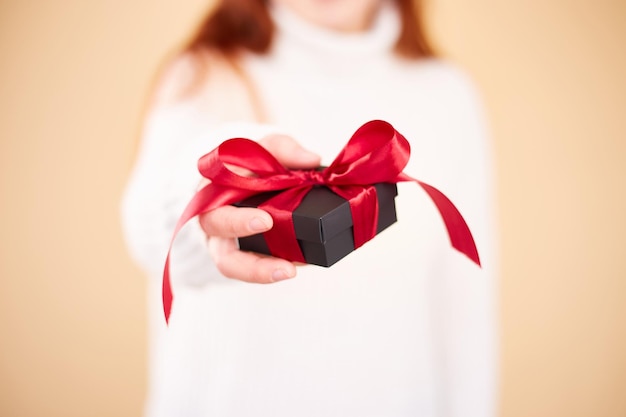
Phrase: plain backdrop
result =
(73, 78)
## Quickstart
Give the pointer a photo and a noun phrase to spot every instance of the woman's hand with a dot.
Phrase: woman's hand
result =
(224, 224)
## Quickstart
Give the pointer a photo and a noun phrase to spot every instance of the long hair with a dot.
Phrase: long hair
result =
(246, 25)
(233, 26)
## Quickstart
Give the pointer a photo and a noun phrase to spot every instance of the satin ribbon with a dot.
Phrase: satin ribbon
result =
(375, 153)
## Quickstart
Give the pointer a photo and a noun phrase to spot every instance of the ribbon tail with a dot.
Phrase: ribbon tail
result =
(459, 233)
(166, 291)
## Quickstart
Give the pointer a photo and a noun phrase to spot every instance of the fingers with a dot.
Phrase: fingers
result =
(289, 152)
(230, 222)
(248, 266)
(224, 224)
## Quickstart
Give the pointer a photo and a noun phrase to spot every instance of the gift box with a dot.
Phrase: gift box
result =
(305, 212)
(323, 223)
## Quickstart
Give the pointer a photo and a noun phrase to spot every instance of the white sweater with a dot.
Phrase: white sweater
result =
(405, 326)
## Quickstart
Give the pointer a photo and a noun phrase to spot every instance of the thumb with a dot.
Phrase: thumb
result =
(289, 152)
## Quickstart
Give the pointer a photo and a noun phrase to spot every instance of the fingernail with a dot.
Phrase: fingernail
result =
(279, 275)
(258, 225)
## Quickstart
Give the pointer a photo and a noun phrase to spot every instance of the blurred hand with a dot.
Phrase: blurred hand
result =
(224, 224)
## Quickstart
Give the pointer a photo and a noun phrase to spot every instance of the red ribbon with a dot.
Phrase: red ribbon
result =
(375, 153)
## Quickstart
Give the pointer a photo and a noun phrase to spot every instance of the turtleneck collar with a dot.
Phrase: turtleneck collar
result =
(380, 37)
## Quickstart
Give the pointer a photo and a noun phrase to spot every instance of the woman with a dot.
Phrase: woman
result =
(403, 326)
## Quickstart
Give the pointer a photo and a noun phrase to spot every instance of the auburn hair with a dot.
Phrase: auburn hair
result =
(246, 25)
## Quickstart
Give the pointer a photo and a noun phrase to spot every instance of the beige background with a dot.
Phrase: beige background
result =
(73, 75)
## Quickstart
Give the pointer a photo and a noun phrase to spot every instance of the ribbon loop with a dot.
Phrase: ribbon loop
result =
(268, 173)
(375, 153)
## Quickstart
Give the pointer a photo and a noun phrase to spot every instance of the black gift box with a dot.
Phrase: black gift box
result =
(323, 223)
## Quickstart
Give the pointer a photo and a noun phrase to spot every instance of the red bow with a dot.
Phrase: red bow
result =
(375, 153)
